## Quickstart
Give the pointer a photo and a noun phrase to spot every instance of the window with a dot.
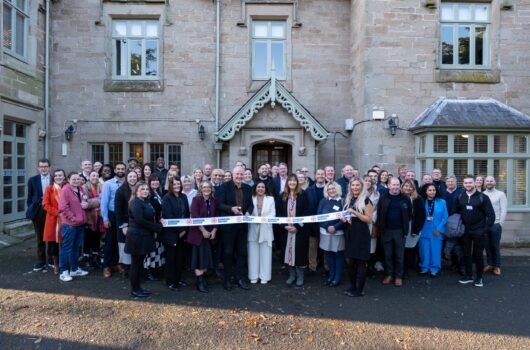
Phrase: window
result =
(440, 143)
(268, 49)
(15, 26)
(171, 152)
(460, 143)
(98, 153)
(464, 35)
(110, 153)
(135, 49)
(114, 152)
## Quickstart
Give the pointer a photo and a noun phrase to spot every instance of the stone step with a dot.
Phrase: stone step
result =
(20, 229)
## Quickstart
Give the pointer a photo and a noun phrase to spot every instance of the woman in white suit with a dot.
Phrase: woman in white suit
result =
(260, 236)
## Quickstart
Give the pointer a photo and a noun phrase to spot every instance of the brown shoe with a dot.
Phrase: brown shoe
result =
(497, 271)
(488, 268)
(106, 272)
(399, 282)
(118, 268)
(388, 280)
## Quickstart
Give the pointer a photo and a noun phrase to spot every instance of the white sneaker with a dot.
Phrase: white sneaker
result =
(65, 276)
(78, 273)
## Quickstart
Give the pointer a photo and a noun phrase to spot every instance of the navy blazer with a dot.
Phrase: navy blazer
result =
(35, 195)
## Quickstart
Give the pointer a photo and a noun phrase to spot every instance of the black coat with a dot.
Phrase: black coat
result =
(406, 212)
(302, 236)
(140, 237)
(477, 212)
(174, 208)
(121, 209)
(418, 215)
(35, 196)
(227, 199)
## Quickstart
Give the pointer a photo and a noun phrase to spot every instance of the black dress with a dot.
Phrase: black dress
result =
(357, 237)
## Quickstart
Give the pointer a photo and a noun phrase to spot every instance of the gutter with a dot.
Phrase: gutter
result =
(217, 75)
(47, 79)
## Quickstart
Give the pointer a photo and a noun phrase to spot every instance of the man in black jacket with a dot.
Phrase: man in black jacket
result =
(478, 216)
(394, 212)
(235, 200)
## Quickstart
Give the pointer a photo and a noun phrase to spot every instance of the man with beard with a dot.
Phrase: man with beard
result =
(493, 241)
(109, 220)
(263, 176)
(161, 171)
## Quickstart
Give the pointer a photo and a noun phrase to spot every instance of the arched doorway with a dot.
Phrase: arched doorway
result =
(271, 152)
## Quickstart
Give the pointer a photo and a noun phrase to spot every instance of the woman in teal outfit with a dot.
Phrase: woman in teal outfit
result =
(431, 239)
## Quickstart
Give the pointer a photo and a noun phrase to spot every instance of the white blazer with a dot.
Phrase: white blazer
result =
(262, 232)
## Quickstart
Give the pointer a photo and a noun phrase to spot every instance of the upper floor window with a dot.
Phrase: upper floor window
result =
(464, 32)
(268, 49)
(15, 26)
(135, 49)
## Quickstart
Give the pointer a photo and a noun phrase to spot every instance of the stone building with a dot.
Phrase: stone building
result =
(425, 83)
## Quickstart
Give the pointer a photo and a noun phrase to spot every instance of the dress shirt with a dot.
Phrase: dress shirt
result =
(107, 196)
(45, 181)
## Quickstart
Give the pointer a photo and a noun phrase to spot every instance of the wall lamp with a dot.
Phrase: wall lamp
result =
(200, 130)
(392, 124)
(69, 132)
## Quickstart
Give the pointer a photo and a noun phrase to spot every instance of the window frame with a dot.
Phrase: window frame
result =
(269, 39)
(25, 14)
(473, 23)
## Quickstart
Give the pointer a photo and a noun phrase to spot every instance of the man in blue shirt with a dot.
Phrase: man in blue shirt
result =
(110, 257)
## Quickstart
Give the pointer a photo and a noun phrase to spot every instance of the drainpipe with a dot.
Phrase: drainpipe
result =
(217, 73)
(47, 78)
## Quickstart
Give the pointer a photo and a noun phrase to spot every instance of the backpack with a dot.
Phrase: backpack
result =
(455, 228)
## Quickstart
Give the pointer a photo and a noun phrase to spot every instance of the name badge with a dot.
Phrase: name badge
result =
(469, 207)
(335, 207)
(429, 218)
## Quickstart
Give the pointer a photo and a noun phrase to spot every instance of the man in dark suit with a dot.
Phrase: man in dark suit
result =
(235, 200)
(35, 212)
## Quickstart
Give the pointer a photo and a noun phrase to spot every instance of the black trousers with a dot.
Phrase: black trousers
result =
(91, 242)
(235, 242)
(357, 273)
(110, 255)
(174, 262)
(38, 225)
(473, 246)
(53, 249)
(135, 273)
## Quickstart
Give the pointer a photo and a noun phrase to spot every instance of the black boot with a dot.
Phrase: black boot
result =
(201, 285)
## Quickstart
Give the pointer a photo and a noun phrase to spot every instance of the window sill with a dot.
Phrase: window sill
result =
(151, 1)
(133, 85)
(486, 76)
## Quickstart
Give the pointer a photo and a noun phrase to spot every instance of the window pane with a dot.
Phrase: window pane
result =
(136, 57)
(8, 207)
(500, 144)
(115, 153)
(423, 167)
(460, 169)
(277, 58)
(8, 127)
(278, 30)
(151, 29)
(519, 182)
(151, 57)
(260, 59)
(447, 45)
(481, 12)
(20, 35)
(21, 4)
(21, 205)
(120, 28)
(423, 140)
(480, 167)
(440, 144)
(8, 192)
(20, 130)
(135, 28)
(447, 13)
(174, 154)
(519, 144)
(260, 29)
(500, 168)
(463, 44)
(136, 150)
(480, 143)
(8, 147)
(8, 27)
(480, 32)
(460, 143)
(464, 12)
(156, 150)
(98, 153)
(20, 149)
(121, 57)
(442, 165)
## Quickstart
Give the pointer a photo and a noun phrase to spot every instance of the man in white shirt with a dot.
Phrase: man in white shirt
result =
(493, 238)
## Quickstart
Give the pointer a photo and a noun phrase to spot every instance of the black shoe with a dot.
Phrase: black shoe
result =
(150, 276)
(334, 284)
(39, 266)
(183, 284)
(434, 274)
(174, 288)
(423, 273)
(138, 294)
(50, 263)
(145, 291)
(227, 286)
(350, 292)
(201, 285)
(311, 273)
(219, 274)
(328, 282)
(241, 284)
(466, 280)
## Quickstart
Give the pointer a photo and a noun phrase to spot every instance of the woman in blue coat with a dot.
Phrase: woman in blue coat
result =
(431, 239)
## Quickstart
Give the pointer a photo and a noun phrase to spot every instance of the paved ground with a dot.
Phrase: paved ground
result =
(39, 312)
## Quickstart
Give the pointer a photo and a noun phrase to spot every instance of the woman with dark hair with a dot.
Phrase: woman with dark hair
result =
(202, 206)
(147, 170)
(140, 238)
(72, 206)
(227, 176)
(121, 209)
(431, 238)
(382, 182)
(105, 173)
(52, 227)
(174, 206)
(295, 237)
(415, 225)
(95, 227)
(155, 259)
(260, 236)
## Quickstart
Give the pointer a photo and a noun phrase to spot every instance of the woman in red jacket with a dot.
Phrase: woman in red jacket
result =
(52, 226)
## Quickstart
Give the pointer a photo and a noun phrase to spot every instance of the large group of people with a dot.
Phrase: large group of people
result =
(386, 224)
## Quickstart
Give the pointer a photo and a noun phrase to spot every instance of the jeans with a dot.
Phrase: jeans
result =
(335, 265)
(70, 248)
(394, 250)
(493, 245)
(475, 244)
(110, 254)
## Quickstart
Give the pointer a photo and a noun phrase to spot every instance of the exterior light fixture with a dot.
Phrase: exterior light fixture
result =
(69, 132)
(392, 124)
(202, 132)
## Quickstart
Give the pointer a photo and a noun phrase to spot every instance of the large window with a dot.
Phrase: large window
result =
(114, 152)
(505, 156)
(135, 49)
(464, 35)
(268, 49)
(15, 26)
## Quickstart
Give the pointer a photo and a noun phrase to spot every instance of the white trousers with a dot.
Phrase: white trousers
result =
(259, 261)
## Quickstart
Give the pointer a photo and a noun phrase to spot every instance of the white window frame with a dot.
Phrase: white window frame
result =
(269, 39)
(473, 23)
(143, 38)
(25, 14)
